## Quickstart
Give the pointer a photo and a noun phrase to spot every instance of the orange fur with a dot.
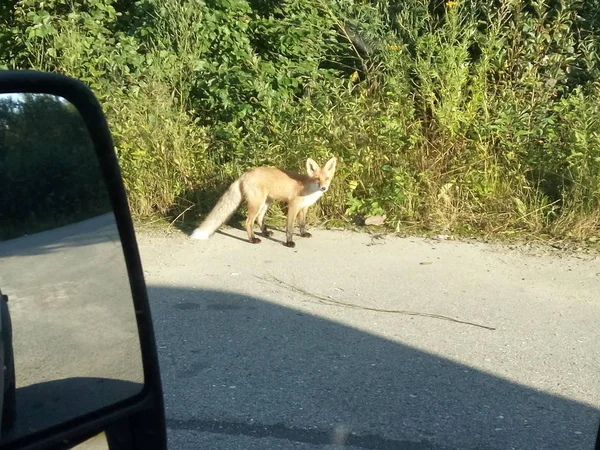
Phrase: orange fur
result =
(260, 187)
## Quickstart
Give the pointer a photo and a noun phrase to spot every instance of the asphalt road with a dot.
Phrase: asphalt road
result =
(364, 343)
(74, 331)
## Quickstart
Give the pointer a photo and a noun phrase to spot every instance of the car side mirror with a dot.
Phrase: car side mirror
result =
(77, 342)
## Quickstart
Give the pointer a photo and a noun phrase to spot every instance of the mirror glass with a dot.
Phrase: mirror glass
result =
(69, 334)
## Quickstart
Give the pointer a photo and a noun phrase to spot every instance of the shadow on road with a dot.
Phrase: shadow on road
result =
(248, 367)
(42, 405)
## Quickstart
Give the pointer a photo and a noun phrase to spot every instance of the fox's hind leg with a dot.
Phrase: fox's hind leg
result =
(261, 218)
(255, 206)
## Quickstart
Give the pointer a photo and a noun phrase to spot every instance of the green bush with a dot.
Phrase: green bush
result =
(50, 176)
(463, 116)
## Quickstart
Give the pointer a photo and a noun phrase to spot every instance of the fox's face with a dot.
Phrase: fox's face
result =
(321, 176)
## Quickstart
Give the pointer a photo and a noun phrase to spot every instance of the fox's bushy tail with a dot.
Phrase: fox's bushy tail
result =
(223, 210)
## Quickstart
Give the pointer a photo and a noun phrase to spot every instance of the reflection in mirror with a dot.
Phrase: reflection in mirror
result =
(74, 346)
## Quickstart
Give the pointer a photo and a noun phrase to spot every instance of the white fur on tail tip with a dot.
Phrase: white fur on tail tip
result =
(200, 234)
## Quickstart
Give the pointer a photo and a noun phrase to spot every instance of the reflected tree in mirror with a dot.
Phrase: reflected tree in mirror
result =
(69, 334)
(50, 175)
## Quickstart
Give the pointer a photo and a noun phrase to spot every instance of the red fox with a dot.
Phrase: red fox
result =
(263, 185)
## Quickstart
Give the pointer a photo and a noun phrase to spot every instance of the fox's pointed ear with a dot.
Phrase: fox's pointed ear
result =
(311, 167)
(330, 165)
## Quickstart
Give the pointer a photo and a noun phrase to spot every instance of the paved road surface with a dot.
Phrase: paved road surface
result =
(266, 347)
(75, 337)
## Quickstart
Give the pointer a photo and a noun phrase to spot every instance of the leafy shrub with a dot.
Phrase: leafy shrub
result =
(458, 116)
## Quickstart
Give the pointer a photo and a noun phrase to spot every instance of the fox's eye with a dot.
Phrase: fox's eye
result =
(327, 179)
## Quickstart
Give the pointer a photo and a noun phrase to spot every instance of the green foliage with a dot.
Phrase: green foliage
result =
(456, 116)
(50, 175)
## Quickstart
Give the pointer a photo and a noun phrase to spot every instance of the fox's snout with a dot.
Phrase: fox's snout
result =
(324, 188)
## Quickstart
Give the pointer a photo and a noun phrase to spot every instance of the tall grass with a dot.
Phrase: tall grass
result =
(463, 116)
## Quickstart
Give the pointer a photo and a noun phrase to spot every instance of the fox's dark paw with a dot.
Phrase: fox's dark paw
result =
(255, 240)
(290, 244)
(267, 233)
(306, 234)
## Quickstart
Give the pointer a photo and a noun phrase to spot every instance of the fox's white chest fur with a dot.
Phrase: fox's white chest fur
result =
(310, 199)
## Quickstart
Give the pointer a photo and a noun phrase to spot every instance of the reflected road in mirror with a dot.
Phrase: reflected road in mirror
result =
(74, 331)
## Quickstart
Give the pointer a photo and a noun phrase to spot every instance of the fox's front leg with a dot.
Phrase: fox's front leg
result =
(289, 230)
(302, 220)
